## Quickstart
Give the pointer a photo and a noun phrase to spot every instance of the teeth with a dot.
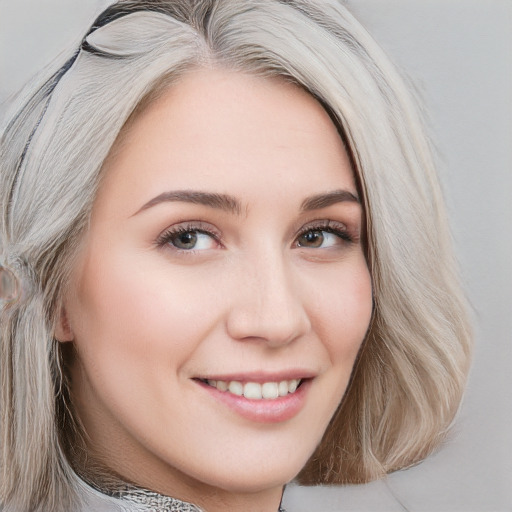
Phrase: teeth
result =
(222, 385)
(255, 390)
(283, 388)
(236, 388)
(270, 390)
(292, 385)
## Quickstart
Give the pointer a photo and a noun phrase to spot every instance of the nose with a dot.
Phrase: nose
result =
(267, 304)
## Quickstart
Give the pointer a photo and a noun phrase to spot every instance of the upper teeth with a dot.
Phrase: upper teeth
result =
(255, 390)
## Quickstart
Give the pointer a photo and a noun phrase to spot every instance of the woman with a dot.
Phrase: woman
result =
(232, 265)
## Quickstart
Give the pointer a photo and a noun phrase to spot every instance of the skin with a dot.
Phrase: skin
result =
(268, 290)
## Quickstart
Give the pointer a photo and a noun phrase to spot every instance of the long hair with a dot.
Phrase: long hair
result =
(409, 379)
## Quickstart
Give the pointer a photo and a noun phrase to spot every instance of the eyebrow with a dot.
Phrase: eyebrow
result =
(213, 200)
(319, 201)
(231, 204)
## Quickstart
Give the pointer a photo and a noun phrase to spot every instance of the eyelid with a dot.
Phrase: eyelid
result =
(337, 228)
(200, 226)
(328, 225)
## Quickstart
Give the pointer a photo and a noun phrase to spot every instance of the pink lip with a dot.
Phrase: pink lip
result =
(262, 411)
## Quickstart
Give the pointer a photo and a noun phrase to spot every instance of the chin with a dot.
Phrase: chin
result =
(240, 475)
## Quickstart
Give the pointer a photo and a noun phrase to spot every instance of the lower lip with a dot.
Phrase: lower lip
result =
(262, 411)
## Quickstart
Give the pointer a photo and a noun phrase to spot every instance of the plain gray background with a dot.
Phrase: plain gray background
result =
(459, 55)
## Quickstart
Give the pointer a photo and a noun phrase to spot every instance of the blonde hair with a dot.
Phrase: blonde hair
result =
(409, 379)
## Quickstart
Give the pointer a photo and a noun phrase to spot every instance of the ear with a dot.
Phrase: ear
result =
(63, 332)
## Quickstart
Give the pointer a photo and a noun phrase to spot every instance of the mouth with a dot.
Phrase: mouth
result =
(260, 397)
(256, 390)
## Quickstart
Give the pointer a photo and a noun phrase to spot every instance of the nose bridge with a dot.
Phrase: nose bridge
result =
(267, 305)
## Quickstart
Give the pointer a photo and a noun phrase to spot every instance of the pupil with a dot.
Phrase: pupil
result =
(313, 238)
(186, 240)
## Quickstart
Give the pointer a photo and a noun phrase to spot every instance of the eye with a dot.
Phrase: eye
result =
(188, 239)
(323, 237)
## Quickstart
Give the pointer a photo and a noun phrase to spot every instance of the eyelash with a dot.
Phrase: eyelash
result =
(168, 235)
(335, 228)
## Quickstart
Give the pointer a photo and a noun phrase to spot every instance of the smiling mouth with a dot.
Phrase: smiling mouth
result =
(256, 390)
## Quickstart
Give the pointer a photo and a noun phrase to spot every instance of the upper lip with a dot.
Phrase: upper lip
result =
(260, 377)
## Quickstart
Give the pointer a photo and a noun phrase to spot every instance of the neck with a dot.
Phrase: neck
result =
(215, 500)
(257, 502)
(152, 500)
(127, 484)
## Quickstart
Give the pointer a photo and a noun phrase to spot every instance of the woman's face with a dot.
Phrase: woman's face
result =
(224, 251)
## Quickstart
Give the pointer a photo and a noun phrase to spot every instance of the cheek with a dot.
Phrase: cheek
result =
(341, 309)
(342, 317)
(342, 312)
(136, 326)
(128, 316)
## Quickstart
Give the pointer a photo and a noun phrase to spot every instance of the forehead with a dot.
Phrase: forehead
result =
(223, 129)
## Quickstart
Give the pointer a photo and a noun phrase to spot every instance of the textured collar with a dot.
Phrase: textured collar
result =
(150, 501)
